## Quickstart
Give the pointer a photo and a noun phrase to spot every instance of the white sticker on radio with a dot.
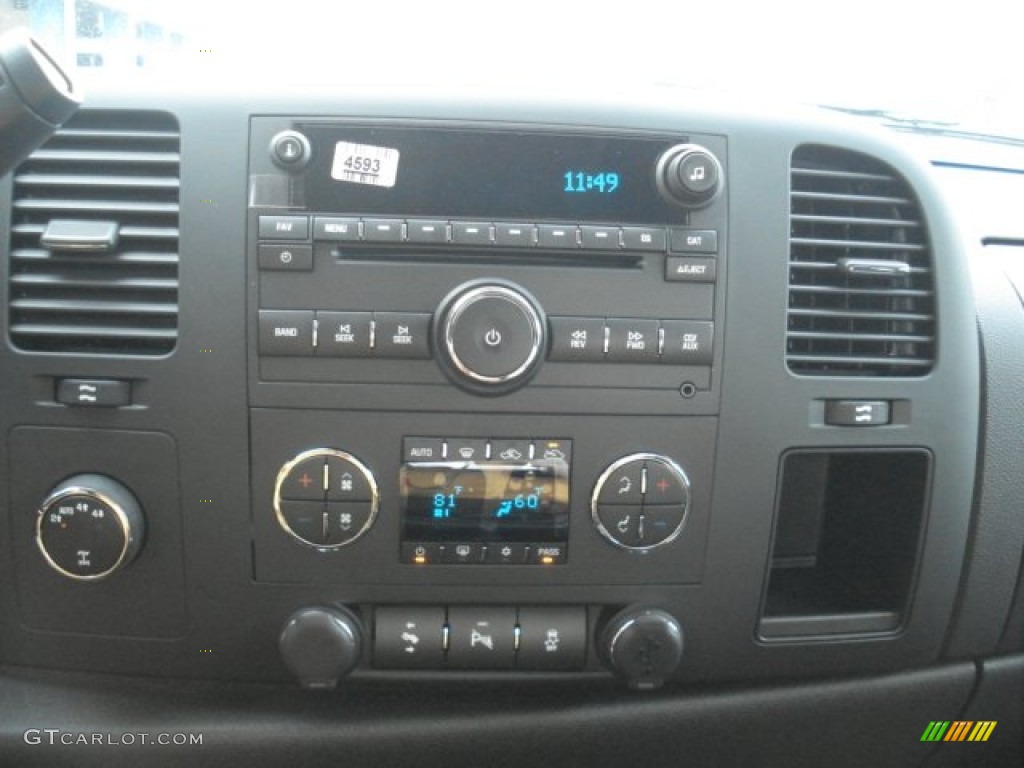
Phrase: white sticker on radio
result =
(365, 164)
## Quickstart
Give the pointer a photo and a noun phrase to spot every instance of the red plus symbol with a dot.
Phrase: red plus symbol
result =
(663, 485)
(305, 480)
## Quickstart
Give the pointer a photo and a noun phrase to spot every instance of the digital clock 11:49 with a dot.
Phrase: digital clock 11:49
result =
(583, 181)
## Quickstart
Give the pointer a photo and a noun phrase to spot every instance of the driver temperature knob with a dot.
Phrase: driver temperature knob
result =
(491, 336)
(643, 646)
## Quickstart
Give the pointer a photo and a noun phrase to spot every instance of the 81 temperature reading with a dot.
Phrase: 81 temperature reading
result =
(582, 181)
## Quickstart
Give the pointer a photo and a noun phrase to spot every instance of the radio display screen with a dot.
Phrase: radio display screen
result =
(492, 174)
(486, 501)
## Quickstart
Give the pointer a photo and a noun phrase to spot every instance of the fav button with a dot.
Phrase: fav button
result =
(284, 227)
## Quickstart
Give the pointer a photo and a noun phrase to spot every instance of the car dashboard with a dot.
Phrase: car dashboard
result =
(385, 426)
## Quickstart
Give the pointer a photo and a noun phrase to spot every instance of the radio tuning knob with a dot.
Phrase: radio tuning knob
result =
(643, 646)
(490, 335)
(688, 175)
(320, 645)
(89, 527)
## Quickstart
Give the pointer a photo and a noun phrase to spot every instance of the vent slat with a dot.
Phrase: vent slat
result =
(72, 157)
(104, 165)
(854, 221)
(886, 337)
(66, 282)
(94, 331)
(830, 173)
(29, 229)
(842, 364)
(832, 197)
(830, 266)
(91, 206)
(58, 180)
(859, 315)
(864, 245)
(841, 323)
(119, 136)
(127, 258)
(826, 290)
(82, 306)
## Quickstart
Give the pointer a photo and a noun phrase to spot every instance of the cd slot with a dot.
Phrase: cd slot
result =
(534, 257)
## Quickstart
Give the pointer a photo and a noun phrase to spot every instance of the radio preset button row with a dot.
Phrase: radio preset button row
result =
(620, 340)
(436, 449)
(525, 234)
(561, 236)
(480, 637)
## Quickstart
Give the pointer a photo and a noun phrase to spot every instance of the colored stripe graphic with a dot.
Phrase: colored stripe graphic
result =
(958, 731)
(935, 730)
(982, 730)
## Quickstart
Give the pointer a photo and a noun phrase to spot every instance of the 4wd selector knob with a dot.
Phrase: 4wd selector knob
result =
(688, 175)
(89, 527)
(490, 335)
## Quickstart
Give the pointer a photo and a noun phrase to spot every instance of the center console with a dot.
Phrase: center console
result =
(483, 355)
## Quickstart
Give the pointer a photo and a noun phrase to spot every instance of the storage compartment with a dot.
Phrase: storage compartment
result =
(846, 541)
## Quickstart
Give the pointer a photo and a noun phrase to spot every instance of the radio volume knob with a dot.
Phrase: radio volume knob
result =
(688, 175)
(490, 335)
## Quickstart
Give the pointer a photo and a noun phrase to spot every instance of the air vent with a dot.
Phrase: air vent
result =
(94, 238)
(861, 293)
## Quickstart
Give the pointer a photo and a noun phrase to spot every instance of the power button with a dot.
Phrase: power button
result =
(491, 336)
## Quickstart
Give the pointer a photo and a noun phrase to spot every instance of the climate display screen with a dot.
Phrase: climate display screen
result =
(492, 174)
(486, 501)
